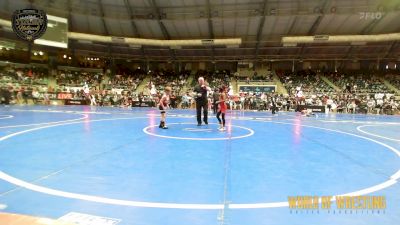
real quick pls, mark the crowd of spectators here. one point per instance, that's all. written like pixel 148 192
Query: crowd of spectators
pixel 78 78
pixel 214 79
pixel 356 103
pixel 255 77
pixel 100 89
pixel 359 92
pixel 394 79
pixel 14 74
pixel 342 103
pixel 309 81
pixel 358 82
pixel 20 82
pixel 128 81
pixel 122 90
pixel 159 79
pixel 123 82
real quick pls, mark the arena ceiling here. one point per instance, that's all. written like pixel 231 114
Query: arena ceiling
pixel 260 23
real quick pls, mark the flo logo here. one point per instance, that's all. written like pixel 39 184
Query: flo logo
pixel 29 24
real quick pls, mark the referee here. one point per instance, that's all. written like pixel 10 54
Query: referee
pixel 200 93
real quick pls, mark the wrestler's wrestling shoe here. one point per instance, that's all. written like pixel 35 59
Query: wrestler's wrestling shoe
pixel 163 126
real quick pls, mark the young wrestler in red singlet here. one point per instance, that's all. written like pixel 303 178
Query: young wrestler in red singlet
pixel 222 107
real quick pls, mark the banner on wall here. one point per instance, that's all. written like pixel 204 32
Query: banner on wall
pixel 64 96
pixel 257 88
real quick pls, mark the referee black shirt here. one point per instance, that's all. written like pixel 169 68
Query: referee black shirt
pixel 203 92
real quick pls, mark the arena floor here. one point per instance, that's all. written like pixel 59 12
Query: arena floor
pixel 116 164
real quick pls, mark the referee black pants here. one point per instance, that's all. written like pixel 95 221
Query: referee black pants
pixel 199 107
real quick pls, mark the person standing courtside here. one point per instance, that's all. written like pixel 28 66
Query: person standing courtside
pixel 215 100
pixel 273 104
pixel 200 93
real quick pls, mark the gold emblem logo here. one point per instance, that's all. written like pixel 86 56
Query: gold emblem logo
pixel 29 24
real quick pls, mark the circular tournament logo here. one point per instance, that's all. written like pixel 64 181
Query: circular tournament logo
pixel 29 24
